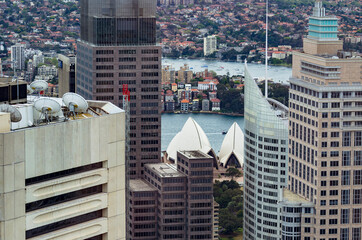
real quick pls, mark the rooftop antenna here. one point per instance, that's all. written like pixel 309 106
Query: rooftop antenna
pixel 46 106
pixel 266 49
pixel 39 85
pixel 75 103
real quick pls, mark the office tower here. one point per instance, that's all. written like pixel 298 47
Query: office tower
pixel 325 130
pixel 18 56
pixel 117 47
pixel 265 162
pixel 66 74
pixel 175 201
pixel 209 45
pixel 62 178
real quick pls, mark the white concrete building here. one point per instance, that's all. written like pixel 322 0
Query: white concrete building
pixel 210 45
pixel 64 179
pixel 18 56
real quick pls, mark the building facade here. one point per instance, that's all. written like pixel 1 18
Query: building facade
pixel 117 47
pixel 66 72
pixel 18 56
pixel 175 201
pixel 210 45
pixel 265 162
pixel 325 131
pixel 63 179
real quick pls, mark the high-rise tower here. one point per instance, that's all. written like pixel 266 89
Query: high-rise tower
pixel 117 47
pixel 265 163
pixel 325 132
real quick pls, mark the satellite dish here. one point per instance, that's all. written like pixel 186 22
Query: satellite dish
pixel 75 102
pixel 15 115
pixel 47 105
pixel 39 85
pixel 29 89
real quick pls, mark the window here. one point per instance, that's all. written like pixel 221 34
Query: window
pixel 358 138
pixel 346 177
pixel 357 177
pixel 344 233
pixel 357 196
pixel 346 139
pixel 345 197
pixel 128 51
pixel 346 158
pixel 335 114
pixel 356 215
pixel 324 115
pixel 356 233
pixel 334 134
pixel 324 125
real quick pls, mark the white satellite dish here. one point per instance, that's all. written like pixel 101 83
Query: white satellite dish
pixel 15 115
pixel 75 102
pixel 47 106
pixel 39 85
pixel 29 89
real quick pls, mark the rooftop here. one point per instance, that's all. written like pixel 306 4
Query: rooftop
pixel 194 154
pixel 164 170
pixel 292 198
pixel 41 111
pixel 139 185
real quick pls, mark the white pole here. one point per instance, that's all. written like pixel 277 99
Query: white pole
pixel 266 51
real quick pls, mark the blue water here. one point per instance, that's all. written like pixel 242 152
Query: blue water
pixel 276 73
pixel 212 124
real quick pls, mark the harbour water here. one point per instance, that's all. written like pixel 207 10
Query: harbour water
pixel 276 73
pixel 214 124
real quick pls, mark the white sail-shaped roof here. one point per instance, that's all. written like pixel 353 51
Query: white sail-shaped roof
pixel 233 144
pixel 191 137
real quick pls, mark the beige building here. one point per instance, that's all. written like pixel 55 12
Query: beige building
pixel 325 134
pixel 67 74
pixel 64 177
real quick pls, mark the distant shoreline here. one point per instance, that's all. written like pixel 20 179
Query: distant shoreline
pixel 205 112
pixel 215 59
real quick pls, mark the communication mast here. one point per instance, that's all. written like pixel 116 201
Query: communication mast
pixel 125 100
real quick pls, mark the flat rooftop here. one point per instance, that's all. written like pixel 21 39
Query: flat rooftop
pixel 194 154
pixel 139 185
pixel 164 170
pixel 32 117
pixel 289 196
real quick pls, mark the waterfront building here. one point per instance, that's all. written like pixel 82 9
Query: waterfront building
pixel 18 56
pixel 325 130
pixel 205 105
pixel 232 148
pixel 66 71
pixel 185 105
pixel 195 105
pixel 210 45
pixel 47 70
pixel 117 46
pixel 62 177
pixel 215 104
pixel 265 162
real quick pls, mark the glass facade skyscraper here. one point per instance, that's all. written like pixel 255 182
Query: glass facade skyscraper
pixel 265 162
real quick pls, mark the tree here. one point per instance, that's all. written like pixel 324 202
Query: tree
pixel 233 172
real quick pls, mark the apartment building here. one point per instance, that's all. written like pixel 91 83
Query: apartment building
pixel 210 45
pixel 62 177
pixel 118 47
pixel 325 132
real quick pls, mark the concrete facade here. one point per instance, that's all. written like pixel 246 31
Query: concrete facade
pixel 65 179
pixel 325 146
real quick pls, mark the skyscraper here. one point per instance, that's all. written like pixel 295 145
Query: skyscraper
pixel 62 178
pixel 325 131
pixel 265 162
pixel 117 47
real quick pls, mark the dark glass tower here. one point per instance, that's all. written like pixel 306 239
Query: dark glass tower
pixel 118 46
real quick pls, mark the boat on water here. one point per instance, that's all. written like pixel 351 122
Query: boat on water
pixel 204 66
pixel 224 132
